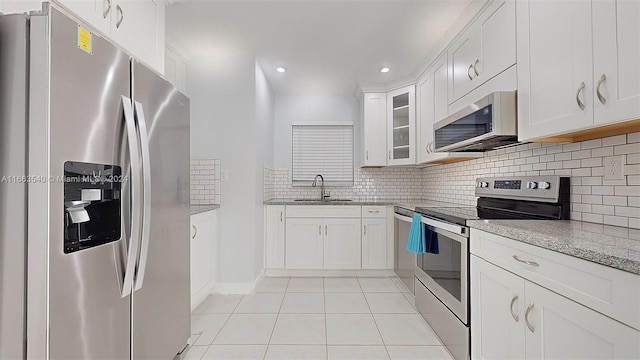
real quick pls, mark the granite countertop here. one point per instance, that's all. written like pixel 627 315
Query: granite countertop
pixel 197 209
pixel 333 202
pixel 612 246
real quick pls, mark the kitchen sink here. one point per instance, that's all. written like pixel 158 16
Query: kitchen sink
pixel 321 201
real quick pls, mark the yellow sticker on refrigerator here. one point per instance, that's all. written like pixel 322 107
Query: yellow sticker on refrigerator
pixel 84 39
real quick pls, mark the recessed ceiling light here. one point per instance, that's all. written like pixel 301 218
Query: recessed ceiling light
pixel 280 69
pixel 384 70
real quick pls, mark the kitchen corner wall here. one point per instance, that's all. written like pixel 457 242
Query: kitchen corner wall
pixel 369 184
pixel 205 182
pixel 593 199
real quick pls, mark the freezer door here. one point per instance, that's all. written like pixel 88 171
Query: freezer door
pixel 161 303
pixel 13 162
pixel 83 133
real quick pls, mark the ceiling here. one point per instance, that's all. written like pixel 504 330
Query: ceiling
pixel 327 47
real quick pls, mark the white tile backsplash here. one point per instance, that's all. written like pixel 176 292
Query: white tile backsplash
pixel 205 182
pixel 593 199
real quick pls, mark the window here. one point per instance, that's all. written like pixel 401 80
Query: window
pixel 323 149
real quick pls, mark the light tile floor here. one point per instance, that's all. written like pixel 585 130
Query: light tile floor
pixel 314 318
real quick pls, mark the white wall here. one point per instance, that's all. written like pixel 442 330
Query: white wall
pixel 297 109
pixel 19 6
pixel 264 100
pixel 223 126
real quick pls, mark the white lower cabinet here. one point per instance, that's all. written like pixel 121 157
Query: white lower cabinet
pixel 342 244
pixel 374 243
pixel 203 252
pixel 274 236
pixel 304 244
pixel 326 237
pixel 512 317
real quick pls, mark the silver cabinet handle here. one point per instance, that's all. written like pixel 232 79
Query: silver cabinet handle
pixel 365 229
pixel 195 231
pixel 475 67
pixel 106 11
pixel 526 318
pixel 600 97
pixel 367 155
pixel 532 263
pixel 319 229
pixel 280 216
pixel 389 154
pixel 468 73
pixel 374 211
pixel 120 16
pixel 513 314
pixel 326 230
pixel 580 103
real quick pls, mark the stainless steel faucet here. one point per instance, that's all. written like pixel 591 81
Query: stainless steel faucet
pixel 315 183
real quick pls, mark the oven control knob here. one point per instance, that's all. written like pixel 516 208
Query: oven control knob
pixel 544 185
pixel 532 184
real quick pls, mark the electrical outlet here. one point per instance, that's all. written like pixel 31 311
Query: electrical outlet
pixel 614 168
pixel 224 175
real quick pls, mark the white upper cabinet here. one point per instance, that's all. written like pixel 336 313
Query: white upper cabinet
pixel 554 67
pixel 577 68
pixel 374 129
pixel 95 12
pixel 484 50
pixel 616 60
pixel 139 27
pixel 401 122
pixel 431 106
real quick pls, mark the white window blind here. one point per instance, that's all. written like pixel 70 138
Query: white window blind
pixel 323 149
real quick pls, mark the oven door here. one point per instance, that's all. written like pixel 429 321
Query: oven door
pixel 405 261
pixel 446 274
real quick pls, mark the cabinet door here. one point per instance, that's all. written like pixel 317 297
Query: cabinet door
pixel 201 256
pixel 342 244
pixel 498 42
pixel 497 308
pixel 562 329
pixel 374 243
pixel 134 25
pixel 95 12
pixel 554 61
pixel 464 57
pixel 424 114
pixel 375 129
pixel 304 249
pixel 401 122
pixel 616 59
pixel 274 237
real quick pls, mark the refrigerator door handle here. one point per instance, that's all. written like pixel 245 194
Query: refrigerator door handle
pixel 136 196
pixel 146 189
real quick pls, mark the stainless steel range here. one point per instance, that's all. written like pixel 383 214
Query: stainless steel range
pixel 442 278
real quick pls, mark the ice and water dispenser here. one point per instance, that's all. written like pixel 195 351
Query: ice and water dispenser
pixel 93 205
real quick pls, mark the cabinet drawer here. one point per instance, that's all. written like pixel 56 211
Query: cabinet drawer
pixel 374 211
pixel 323 211
pixel 612 292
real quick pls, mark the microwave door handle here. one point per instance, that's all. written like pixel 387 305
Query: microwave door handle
pixel 136 196
pixel 146 195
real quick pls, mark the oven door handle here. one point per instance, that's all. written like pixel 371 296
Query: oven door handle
pixel 455 229
pixel 403 218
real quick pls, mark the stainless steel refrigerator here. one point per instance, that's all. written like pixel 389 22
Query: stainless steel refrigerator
pixel 94 197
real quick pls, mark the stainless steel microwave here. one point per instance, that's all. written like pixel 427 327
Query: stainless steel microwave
pixel 484 125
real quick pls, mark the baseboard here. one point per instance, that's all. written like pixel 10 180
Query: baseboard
pixel 306 272
pixel 237 288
